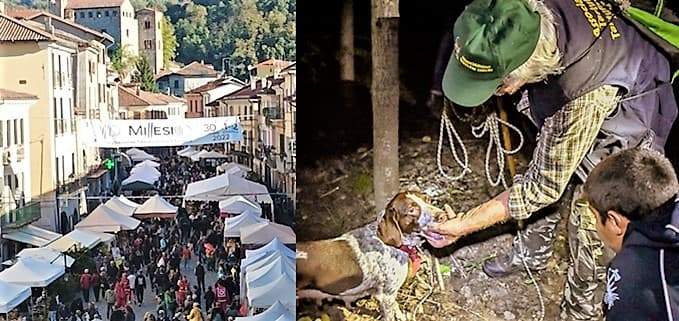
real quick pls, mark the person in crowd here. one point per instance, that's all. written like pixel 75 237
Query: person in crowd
pixel 195 314
pixel 86 284
pixel 209 297
pixel 95 285
pixel 129 314
pixel 186 256
pixel 110 298
pixel 92 310
pixel 52 308
pixel 139 287
pixel 199 272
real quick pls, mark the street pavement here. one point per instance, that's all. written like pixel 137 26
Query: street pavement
pixel 150 304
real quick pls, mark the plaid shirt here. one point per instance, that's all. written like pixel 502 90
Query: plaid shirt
pixel 564 140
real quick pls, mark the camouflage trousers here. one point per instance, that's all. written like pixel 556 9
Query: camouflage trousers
pixel 588 256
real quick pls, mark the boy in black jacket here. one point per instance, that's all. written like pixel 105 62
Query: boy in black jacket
pixel 634 194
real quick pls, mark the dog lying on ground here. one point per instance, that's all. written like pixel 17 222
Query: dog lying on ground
pixel 368 260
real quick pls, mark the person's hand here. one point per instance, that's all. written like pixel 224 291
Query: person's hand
pixel 447 230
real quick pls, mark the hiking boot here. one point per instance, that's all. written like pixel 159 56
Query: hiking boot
pixel 501 266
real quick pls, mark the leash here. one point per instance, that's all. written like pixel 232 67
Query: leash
pixel 491 126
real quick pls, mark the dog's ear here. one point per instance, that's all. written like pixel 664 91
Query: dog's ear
pixel 388 230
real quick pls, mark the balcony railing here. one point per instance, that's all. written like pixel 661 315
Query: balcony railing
pixel 273 113
pixel 19 217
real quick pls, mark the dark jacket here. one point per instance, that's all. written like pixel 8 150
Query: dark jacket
pixel 643 278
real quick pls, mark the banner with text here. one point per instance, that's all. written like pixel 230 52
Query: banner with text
pixel 160 132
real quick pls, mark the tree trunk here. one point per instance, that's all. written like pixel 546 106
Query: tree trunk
pixel 347 42
pixel 385 99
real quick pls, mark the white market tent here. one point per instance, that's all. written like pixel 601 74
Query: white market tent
pixel 234 169
pixel 156 206
pixel 128 201
pixel 104 219
pixel 145 169
pixel 262 233
pixel 139 155
pixel 266 260
pixel 223 186
pixel 207 155
pixel 239 204
pixel 77 238
pixel 11 295
pixel 272 247
pixel 46 254
pixel 270 272
pixel 143 177
pixel 31 234
pixel 233 225
pixel 120 206
pixel 33 273
pixel 186 151
pixel 282 289
pixel 275 312
pixel 149 162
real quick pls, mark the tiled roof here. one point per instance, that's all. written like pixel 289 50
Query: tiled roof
pixel 293 66
pixel 130 97
pixel 42 15
pixel 86 4
pixel 269 62
pixel 247 92
pixel 20 12
pixel 193 69
pixel 15 30
pixel 14 95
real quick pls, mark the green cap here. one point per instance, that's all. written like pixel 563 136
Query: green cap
pixel 493 37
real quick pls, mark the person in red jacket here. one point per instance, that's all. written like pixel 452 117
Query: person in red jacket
pixel 85 285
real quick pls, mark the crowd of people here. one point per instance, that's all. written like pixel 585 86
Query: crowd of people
pixel 155 258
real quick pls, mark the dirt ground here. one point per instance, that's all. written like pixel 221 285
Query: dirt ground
pixel 336 196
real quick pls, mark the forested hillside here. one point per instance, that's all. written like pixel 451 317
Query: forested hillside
pixel 241 32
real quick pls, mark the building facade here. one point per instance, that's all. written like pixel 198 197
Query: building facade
pixel 113 17
pixel 200 100
pixel 151 37
pixel 138 104
pixel 189 77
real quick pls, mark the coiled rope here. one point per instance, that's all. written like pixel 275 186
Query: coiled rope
pixel 491 126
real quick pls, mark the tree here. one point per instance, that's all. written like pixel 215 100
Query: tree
pixel 122 61
pixel 144 75
pixel 385 99
pixel 169 42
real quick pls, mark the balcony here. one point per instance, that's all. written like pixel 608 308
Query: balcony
pixel 272 113
pixel 21 216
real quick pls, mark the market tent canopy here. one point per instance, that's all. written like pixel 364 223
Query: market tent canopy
pixel 274 312
pixel 233 225
pixel 223 186
pixel 138 155
pixel 77 238
pixel 239 204
pixel 31 234
pixel 186 151
pixel 262 233
pixel 270 272
pixel 146 170
pixel 120 206
pixel 234 169
pixel 11 295
pixel 156 206
pixel 46 254
pixel 207 155
pixel 274 246
pixel 104 219
pixel 33 273
pixel 128 201
pixel 150 163
pixel 282 289
pixel 266 260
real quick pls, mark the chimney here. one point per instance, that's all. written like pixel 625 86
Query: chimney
pixel 48 25
pixel 2 7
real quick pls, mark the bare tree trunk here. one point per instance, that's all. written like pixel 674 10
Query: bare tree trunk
pixel 347 42
pixel 385 99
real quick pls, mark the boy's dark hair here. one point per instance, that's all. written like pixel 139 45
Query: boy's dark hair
pixel 633 182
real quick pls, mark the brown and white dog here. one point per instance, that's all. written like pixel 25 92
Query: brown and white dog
pixel 368 260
